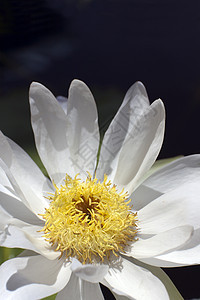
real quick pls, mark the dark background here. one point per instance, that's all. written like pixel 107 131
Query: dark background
pixel 109 44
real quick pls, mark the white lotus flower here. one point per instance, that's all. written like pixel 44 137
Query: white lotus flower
pixel 81 230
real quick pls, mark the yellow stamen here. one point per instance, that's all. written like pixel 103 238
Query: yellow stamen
pixel 89 220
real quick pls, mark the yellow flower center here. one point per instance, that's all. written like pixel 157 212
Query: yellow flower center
pixel 89 220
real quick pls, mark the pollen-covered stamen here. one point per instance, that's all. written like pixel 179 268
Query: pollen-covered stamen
pixel 89 220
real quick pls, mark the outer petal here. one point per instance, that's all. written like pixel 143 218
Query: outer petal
pixel 162 276
pixel 135 282
pixel 161 243
pixel 14 237
pixel 133 106
pixel 28 172
pixel 140 148
pixel 23 175
pixel 160 163
pixel 32 277
pixel 140 151
pixel 179 172
pixel 19 227
pixel 4 179
pixel 27 196
pixel 50 129
pixel 22 235
pixel 78 289
pixel 14 208
pixel 154 261
pixel 83 133
pixel 66 143
pixel 63 102
pixel 142 196
pixel 176 208
pixel 120 297
pixel 89 272
pixel 186 255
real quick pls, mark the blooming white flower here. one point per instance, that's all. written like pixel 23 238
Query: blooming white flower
pixel 82 230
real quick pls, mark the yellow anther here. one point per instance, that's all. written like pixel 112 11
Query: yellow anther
pixel 89 220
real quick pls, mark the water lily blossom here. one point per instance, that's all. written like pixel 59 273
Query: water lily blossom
pixel 109 220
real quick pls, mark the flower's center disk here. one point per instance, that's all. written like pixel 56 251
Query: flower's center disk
pixel 89 220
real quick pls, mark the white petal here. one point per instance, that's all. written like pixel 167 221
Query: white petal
pixel 24 175
pixel 176 208
pixel 13 220
pixel 4 179
pixel 25 236
pixel 22 167
pixel 13 185
pixel 142 196
pixel 83 127
pixel 154 261
pixel 32 277
pixel 91 291
pixel 133 106
pixel 181 171
pixel 66 143
pixel 159 273
pixel 14 237
pixel 161 243
pixel 78 289
pixel 189 254
pixel 50 129
pixel 4 217
pixel 35 236
pixel 160 163
pixel 135 282
pixel 140 150
pixel 71 291
pixel 63 102
pixel 26 253
pixel 35 203
pixel 21 228
pixel 89 272
pixel 119 297
pixel 27 171
pixel 14 208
